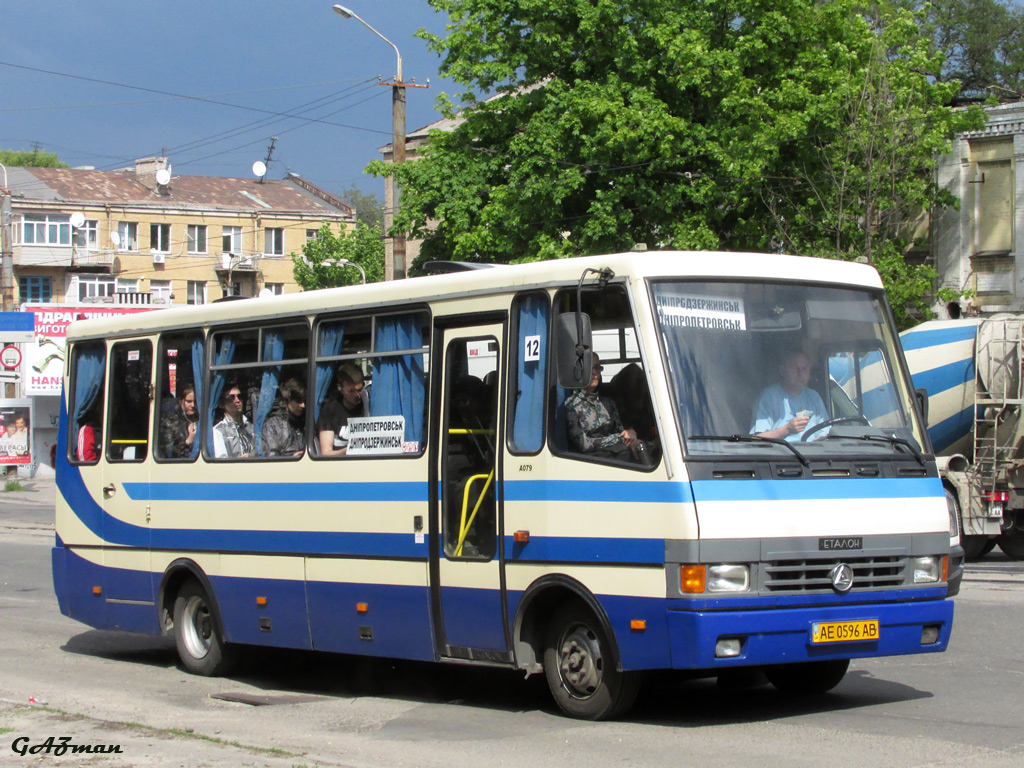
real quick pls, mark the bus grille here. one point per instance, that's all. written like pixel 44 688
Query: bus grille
pixel 813 575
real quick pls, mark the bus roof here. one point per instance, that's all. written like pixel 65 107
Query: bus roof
pixel 709 265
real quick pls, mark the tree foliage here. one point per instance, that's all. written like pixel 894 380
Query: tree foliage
pixel 30 158
pixel 369 209
pixel 982 44
pixel 716 125
pixel 362 245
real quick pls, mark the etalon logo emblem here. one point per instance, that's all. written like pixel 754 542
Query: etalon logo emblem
pixel 842 578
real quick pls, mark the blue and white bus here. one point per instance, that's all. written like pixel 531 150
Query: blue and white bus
pixel 464 519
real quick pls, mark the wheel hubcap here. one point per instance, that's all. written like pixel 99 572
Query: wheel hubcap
pixel 198 627
pixel 579 662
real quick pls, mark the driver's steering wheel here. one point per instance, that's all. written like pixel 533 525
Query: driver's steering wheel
pixel 832 422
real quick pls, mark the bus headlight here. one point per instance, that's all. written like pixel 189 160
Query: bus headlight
pixel 927 569
pixel 728 578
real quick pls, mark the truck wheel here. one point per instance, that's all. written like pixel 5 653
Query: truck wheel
pixel 200 647
pixel 1011 541
pixel 581 668
pixel 975 547
pixel 808 677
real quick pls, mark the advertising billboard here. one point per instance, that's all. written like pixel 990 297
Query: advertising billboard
pixel 15 432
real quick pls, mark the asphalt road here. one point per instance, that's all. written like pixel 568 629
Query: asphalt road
pixel 59 678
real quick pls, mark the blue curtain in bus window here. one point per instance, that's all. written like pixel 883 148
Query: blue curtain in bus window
pixel 331 335
pixel 225 354
pixel 88 382
pixel 531 370
pixel 273 350
pixel 198 366
pixel 398 381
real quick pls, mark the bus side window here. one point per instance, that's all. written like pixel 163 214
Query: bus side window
pixel 131 370
pixel 179 395
pixel 526 433
pixel 85 414
pixel 398 384
pixel 279 418
pixel 341 388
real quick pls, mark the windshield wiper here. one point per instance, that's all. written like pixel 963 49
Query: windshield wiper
pixel 756 439
pixel 890 439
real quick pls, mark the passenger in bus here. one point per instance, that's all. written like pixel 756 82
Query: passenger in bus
pixel 178 430
pixel 594 426
pixel 232 435
pixel 788 409
pixel 284 431
pixel 88 438
pixel 351 402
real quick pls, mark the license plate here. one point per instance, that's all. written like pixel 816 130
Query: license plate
pixel 995 509
pixel 844 631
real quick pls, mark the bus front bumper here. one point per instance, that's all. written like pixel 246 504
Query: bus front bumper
pixel 785 635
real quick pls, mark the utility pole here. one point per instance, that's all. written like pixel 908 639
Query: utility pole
pixel 6 246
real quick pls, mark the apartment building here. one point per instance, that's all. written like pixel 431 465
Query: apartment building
pixel 145 235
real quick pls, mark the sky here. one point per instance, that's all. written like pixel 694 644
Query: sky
pixel 207 82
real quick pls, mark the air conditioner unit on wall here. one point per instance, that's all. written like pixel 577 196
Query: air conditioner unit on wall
pixel 159 258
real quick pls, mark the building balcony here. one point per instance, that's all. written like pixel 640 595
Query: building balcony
pixel 93 260
pixel 42 256
pixel 239 263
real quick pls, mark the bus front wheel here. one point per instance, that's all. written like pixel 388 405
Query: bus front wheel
pixel 200 647
pixel 581 668
pixel 807 677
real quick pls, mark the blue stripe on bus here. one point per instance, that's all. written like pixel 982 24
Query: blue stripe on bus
pixel 597 490
pixel 396 491
pixel 816 490
pixel 564 549
pixel 947 335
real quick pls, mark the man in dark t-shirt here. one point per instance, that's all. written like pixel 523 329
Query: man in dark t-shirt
pixel 332 425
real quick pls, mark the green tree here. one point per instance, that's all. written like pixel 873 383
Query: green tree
pixel 362 245
pixel 33 158
pixel 866 185
pixel 679 125
pixel 369 209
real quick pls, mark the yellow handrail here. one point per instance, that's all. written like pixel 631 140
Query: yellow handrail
pixel 128 442
pixel 464 524
pixel 470 431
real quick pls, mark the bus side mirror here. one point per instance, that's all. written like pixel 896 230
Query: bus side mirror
pixel 921 397
pixel 574 352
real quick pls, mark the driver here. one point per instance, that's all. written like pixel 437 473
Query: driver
pixel 788 409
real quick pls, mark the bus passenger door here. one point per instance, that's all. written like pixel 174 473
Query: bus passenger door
pixel 466 554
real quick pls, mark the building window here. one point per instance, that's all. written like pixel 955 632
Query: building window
pixel 127 236
pixel 274 244
pixel 45 229
pixel 160 237
pixel 196 292
pixel 93 286
pixel 275 288
pixel 126 285
pixel 160 291
pixel 87 235
pixel 232 237
pixel 992 184
pixel 196 238
pixel 311 234
pixel 35 288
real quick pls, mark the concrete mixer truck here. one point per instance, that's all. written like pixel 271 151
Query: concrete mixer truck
pixel 971 370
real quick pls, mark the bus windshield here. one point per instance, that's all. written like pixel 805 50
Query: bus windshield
pixel 773 369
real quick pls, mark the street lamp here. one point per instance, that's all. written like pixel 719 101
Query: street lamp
pixel 347 263
pixel 395 268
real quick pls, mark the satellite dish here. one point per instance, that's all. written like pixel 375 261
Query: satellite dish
pixel 163 177
pixel 115 238
pixel 77 219
pixel 265 293
pixel 259 169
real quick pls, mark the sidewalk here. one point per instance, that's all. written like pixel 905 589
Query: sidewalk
pixel 37 490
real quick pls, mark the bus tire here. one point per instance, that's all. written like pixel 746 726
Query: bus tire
pixel 581 668
pixel 807 677
pixel 200 647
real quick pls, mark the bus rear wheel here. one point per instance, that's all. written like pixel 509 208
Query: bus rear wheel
pixel 581 668
pixel 200 647
pixel 808 677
